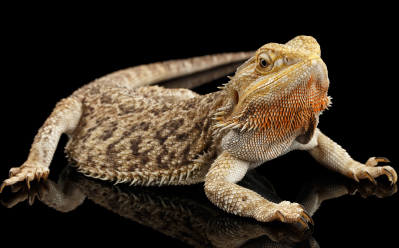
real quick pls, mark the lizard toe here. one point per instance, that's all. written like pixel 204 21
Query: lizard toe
pixel 25 173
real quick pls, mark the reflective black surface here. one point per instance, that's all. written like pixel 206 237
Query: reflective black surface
pixel 187 218
pixel 45 64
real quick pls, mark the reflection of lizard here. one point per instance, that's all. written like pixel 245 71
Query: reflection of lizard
pixel 156 136
pixel 185 213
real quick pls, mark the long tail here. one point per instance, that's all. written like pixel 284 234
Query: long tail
pixel 143 75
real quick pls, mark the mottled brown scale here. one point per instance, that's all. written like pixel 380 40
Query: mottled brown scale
pixel 166 125
pixel 122 130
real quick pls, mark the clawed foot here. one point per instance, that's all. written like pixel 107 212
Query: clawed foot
pixel 285 212
pixel 38 190
pixel 367 189
pixel 370 172
pixel 25 173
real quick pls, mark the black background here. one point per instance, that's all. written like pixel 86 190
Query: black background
pixel 47 54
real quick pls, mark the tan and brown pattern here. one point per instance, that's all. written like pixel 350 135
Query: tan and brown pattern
pixel 115 139
pixel 123 130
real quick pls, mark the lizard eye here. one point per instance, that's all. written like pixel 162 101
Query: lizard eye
pixel 263 63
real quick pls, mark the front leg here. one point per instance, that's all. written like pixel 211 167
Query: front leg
pixel 221 189
pixel 64 119
pixel 335 158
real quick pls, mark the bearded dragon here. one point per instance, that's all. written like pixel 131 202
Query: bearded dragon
pixel 121 129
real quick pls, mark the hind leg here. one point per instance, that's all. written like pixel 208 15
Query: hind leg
pixel 64 119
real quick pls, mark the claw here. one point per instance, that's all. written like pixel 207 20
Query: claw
pixel 370 177
pixel 354 177
pixel 304 224
pixel 353 190
pixel 11 172
pixel 27 182
pixel 2 186
pixel 280 216
pixel 38 175
pixel 372 191
pixel 382 159
pixel 395 189
pixel 31 200
pixel 390 177
pixel 367 189
pixel 45 176
pixel 307 216
pixel 373 161
pixel 310 232
pixel 39 196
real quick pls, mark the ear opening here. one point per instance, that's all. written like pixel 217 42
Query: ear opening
pixel 236 97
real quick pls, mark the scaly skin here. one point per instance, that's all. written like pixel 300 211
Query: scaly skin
pixel 155 136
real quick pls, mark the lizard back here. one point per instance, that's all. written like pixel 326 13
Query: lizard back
pixel 132 135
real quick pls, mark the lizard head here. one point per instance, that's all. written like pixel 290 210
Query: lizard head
pixel 282 88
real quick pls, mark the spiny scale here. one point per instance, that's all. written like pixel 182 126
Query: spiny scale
pixel 140 178
pixel 125 131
